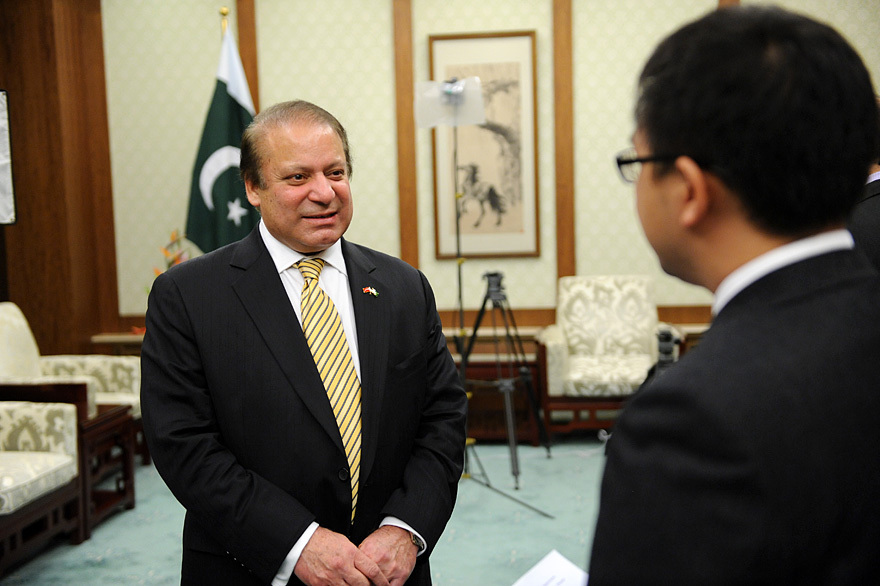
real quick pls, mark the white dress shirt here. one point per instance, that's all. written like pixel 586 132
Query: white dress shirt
pixel 333 280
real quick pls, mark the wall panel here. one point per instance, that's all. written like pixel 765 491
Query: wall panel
pixel 51 63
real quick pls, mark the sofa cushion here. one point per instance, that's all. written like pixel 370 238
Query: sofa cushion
pixel 610 375
pixel 25 476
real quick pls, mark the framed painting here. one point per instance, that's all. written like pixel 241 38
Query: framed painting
pixel 495 165
pixel 7 197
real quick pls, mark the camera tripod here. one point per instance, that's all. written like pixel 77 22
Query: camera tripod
pixel 507 374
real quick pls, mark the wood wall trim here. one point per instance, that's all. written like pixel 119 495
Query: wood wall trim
pixel 685 314
pixel 407 186
pixel 93 268
pixel 563 93
pixel 247 46
pixel 534 317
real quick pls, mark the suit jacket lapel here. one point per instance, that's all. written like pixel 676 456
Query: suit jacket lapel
pixel 261 292
pixel 372 318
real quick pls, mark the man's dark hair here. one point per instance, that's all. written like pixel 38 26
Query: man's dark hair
pixel 778 106
pixel 252 155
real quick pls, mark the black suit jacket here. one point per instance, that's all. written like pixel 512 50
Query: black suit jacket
pixel 240 427
pixel 864 223
pixel 756 458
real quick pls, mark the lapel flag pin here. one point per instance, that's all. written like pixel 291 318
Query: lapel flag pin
pixel 371 291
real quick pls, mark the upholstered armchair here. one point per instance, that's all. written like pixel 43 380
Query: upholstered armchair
pixel 112 380
pixel 604 342
pixel 115 380
pixel 40 495
pixel 106 430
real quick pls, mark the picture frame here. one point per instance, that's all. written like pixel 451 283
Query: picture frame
pixel 497 175
pixel 7 194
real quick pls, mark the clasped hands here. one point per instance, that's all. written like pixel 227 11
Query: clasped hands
pixel 385 558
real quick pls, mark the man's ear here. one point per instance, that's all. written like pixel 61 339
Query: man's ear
pixel 697 196
pixel 252 194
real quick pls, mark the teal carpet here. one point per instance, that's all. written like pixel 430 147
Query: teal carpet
pixel 491 539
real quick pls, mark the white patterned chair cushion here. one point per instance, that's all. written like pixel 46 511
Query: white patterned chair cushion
pixel 605 338
pixel 38 450
pixel 111 380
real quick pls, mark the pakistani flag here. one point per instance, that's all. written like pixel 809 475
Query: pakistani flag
pixel 219 212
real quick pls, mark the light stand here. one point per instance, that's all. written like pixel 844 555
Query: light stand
pixel 457 103
pixel 454 103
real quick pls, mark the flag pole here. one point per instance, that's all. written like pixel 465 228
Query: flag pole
pixel 224 20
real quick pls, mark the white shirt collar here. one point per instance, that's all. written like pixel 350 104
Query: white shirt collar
pixel 777 258
pixel 285 257
pixel 874 177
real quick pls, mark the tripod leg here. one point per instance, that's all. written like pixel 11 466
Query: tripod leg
pixel 506 387
pixel 518 350
pixel 526 376
pixel 471 450
pixel 470 345
pixel 464 351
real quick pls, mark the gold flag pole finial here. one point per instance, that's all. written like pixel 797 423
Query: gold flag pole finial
pixel 224 12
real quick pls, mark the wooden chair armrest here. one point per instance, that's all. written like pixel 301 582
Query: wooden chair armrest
pixel 76 393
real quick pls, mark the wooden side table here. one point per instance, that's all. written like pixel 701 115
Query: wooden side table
pixel 120 343
pixel 105 443
pixel 107 458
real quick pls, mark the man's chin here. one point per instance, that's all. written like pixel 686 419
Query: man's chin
pixel 323 240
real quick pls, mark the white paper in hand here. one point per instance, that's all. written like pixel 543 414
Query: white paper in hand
pixel 553 570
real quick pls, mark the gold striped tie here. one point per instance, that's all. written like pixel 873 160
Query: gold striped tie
pixel 326 338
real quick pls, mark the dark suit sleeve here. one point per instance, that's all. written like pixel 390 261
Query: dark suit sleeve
pixel 252 518
pixel 681 502
pixel 428 489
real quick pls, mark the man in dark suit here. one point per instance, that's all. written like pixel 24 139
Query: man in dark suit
pixel 864 223
pixel 755 459
pixel 236 413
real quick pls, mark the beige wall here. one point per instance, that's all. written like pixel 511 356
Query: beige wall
pixel 161 57
pixel 612 41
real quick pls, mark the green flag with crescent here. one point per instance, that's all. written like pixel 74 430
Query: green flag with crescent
pixel 219 212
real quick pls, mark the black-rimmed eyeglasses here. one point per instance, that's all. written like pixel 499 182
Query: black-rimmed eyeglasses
pixel 629 164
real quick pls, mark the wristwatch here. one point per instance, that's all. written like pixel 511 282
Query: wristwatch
pixel 417 541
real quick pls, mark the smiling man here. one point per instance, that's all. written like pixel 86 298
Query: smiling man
pixel 755 459
pixel 298 396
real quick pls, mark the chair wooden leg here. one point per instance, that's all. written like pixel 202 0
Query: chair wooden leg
pixel 140 439
pixel 592 405
pixel 26 531
pixel 107 451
